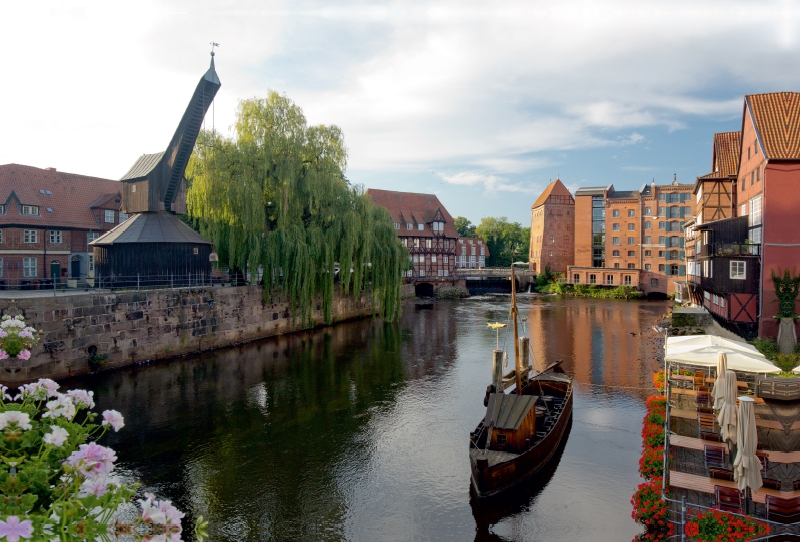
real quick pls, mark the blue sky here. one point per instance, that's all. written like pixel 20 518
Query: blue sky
pixel 481 103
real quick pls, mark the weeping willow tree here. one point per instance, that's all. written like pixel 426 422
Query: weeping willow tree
pixel 275 197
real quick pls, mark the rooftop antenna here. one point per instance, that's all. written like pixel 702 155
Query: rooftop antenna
pixel 213 44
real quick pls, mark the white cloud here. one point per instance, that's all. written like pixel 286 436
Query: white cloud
pixel 490 183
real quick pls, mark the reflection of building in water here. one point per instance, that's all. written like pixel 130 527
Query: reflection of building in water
pixel 599 343
pixel 434 344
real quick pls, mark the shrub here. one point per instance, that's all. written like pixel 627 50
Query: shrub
pixel 451 292
pixel 716 525
pixel 651 464
pixel 768 347
pixel 650 510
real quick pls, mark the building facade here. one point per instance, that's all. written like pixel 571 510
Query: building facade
pixel 552 240
pixel 734 257
pixel 632 238
pixel 425 227
pixel 471 253
pixel 47 219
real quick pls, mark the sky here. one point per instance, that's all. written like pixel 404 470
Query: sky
pixel 481 103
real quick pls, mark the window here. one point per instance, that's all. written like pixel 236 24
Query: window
pixel 566 241
pixel 631 213
pixel 662 225
pixel 673 269
pixel 615 253
pixel 416 242
pixel 550 252
pixel 715 299
pixel 648 225
pixel 654 282
pixel 30 236
pixel 648 240
pixel 576 278
pixel 427 243
pixel 421 227
pixel 616 240
pixel 422 272
pixel 648 211
pixel 662 197
pixel 631 254
pixel 660 253
pixel 758 174
pixel 124 216
pixel 446 272
pixel 29 267
pixel 91 236
pixel 627 280
pixel 445 259
pixel 722 302
pixel 55 237
pixel 615 227
pixel 631 241
pixel 755 212
pixel 662 211
pixel 409 226
pixel 397 225
pixel 552 238
pixel 1 236
pixel 647 267
pixel 631 266
pixel 30 210
pixel 661 268
pixel 109 215
pixel 662 240
pixel 592 279
pixel 615 214
pixel 433 258
pixel 631 226
pixel 422 258
pixel 501 440
pixel 610 280
pixel 706 295
pixel 648 253
pixel 616 266
pixel 738 270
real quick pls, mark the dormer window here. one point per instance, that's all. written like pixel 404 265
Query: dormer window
pixel 2 209
pixel 421 226
pixel 409 226
pixel 32 210
pixel 109 216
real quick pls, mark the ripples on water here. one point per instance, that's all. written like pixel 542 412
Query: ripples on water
pixel 360 431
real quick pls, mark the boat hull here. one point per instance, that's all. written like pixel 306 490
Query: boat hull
pixel 505 475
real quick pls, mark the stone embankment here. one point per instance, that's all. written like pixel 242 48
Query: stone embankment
pixel 131 327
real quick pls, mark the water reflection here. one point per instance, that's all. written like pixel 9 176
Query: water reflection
pixel 359 431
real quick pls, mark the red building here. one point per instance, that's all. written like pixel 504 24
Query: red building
pixel 46 220
pixel 426 228
pixel 552 240
pixel 471 253
pixel 735 256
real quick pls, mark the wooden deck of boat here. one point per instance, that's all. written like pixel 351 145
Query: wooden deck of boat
pixel 704 484
pixel 699 444
pixel 495 456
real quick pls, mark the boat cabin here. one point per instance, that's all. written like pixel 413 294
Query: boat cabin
pixel 513 421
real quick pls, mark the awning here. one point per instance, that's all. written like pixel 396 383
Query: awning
pixel 738 360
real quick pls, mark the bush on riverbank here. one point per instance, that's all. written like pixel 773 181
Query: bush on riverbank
pixel 592 290
pixel 786 362
pixel 451 292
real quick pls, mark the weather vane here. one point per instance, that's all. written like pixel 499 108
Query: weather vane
pixel 213 44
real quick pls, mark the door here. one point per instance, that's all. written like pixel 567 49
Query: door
pixel 55 271
pixel 75 268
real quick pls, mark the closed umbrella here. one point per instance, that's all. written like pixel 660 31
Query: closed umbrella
pixel 727 410
pixel 747 467
pixel 719 381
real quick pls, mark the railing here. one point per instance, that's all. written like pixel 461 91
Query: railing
pixel 135 282
pixel 733 249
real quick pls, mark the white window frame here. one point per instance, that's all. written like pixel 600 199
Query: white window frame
pixel 122 217
pixel 30 267
pixel 421 227
pixel 109 218
pixel 738 270
pixel 30 237
pixel 30 210
pixel 56 237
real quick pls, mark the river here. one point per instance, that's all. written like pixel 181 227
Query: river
pixel 359 431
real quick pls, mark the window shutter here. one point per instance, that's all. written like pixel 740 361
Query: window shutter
pixel 666 269
pixel 683 209
pixel 681 242
pixel 681 269
pixel 682 255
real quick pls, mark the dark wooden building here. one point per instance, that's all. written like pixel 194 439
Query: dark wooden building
pixel 154 247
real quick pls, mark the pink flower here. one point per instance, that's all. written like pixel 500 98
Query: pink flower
pixel 82 398
pixel 25 354
pixel 113 418
pixel 3 354
pixel 98 486
pixel 92 460
pixel 22 419
pixel 151 512
pixel 13 529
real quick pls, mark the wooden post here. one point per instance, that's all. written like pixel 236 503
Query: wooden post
pixel 524 347
pixel 517 364
pixel 497 370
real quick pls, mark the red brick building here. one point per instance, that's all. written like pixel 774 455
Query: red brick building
pixel 46 220
pixel 757 234
pixel 552 230
pixel 426 228
pixel 471 253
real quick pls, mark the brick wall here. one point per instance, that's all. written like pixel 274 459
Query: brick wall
pixel 583 231
pixel 135 326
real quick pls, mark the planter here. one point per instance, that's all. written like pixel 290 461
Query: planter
pixel 787 337
pixel 782 389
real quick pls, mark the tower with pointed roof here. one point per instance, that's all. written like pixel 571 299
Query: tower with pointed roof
pixel 552 230
pixel 154 242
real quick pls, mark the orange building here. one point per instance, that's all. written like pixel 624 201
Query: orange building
pixel 552 230
pixel 632 237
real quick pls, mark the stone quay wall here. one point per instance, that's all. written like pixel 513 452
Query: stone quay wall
pixel 132 327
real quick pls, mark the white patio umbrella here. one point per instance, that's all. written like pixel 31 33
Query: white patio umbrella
pixel 727 411
pixel 708 356
pixel 717 392
pixel 746 466
pixel 699 341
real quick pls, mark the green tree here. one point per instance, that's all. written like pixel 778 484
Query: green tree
pixel 507 241
pixel 464 227
pixel 275 197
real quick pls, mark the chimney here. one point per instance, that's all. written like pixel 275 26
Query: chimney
pixel 50 169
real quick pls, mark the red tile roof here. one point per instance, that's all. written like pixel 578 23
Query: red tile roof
pixel 777 120
pixel 726 153
pixel 556 188
pixel 69 195
pixel 413 208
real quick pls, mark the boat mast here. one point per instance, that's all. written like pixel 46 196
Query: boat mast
pixel 517 362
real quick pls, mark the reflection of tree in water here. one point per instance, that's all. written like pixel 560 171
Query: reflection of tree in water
pixel 258 439
pixel 516 501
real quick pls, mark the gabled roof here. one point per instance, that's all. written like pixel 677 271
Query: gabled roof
pixel 68 195
pixel 410 206
pixel 143 165
pixel 726 154
pixel 556 188
pixel 154 227
pixel 777 121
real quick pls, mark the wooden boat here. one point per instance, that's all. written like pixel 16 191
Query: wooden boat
pixel 523 429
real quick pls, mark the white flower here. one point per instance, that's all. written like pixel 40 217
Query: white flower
pixel 4 393
pixel 82 398
pixel 14 416
pixel 151 512
pixel 58 436
pixel 97 486
pixel 60 406
pixel 113 418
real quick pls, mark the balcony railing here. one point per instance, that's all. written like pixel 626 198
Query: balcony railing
pixel 734 249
